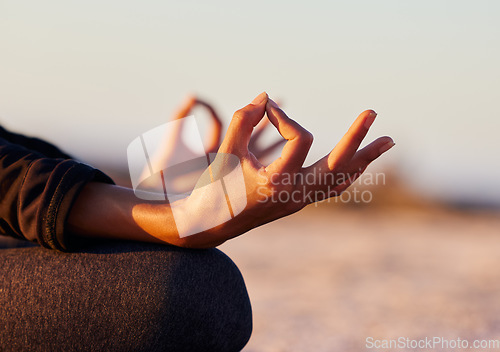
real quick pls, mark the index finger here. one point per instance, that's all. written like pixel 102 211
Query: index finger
pixel 299 141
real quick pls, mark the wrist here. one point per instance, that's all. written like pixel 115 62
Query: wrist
pixel 197 223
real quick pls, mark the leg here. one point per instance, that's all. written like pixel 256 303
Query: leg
pixel 122 297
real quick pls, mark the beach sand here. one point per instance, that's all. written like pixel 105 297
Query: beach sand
pixel 326 279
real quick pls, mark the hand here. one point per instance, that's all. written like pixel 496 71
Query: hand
pixel 108 211
pixel 172 143
pixel 285 186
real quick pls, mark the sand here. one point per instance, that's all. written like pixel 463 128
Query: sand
pixel 327 279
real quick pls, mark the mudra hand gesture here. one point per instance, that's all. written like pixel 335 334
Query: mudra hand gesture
pixel 115 212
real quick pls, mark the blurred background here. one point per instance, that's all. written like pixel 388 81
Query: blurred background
pixel 418 259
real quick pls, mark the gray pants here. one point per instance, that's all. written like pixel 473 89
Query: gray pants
pixel 122 296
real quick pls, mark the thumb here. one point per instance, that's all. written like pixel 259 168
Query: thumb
pixel 242 124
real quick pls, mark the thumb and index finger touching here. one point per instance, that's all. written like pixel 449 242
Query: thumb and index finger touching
pixel 238 135
pixel 299 140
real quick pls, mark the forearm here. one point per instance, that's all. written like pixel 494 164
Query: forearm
pixel 108 211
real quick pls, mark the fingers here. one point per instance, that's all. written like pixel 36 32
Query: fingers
pixel 360 162
pixel 212 140
pixel 241 126
pixel 345 164
pixel 185 107
pixel 299 141
pixel 257 132
pixel 174 133
pixel 349 144
pixel 344 150
pixel 365 156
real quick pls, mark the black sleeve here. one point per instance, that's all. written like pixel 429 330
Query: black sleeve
pixel 37 192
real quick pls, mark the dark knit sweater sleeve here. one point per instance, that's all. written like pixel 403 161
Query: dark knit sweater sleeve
pixel 37 192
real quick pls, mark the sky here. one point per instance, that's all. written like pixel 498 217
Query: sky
pixel 91 76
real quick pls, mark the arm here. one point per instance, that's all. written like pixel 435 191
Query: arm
pixel 109 211
pixel 37 193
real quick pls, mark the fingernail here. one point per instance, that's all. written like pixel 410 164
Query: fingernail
pixel 259 98
pixel 273 103
pixel 369 120
pixel 386 147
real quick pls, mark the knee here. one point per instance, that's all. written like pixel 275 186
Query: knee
pixel 206 298
pixel 183 300
pixel 127 297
